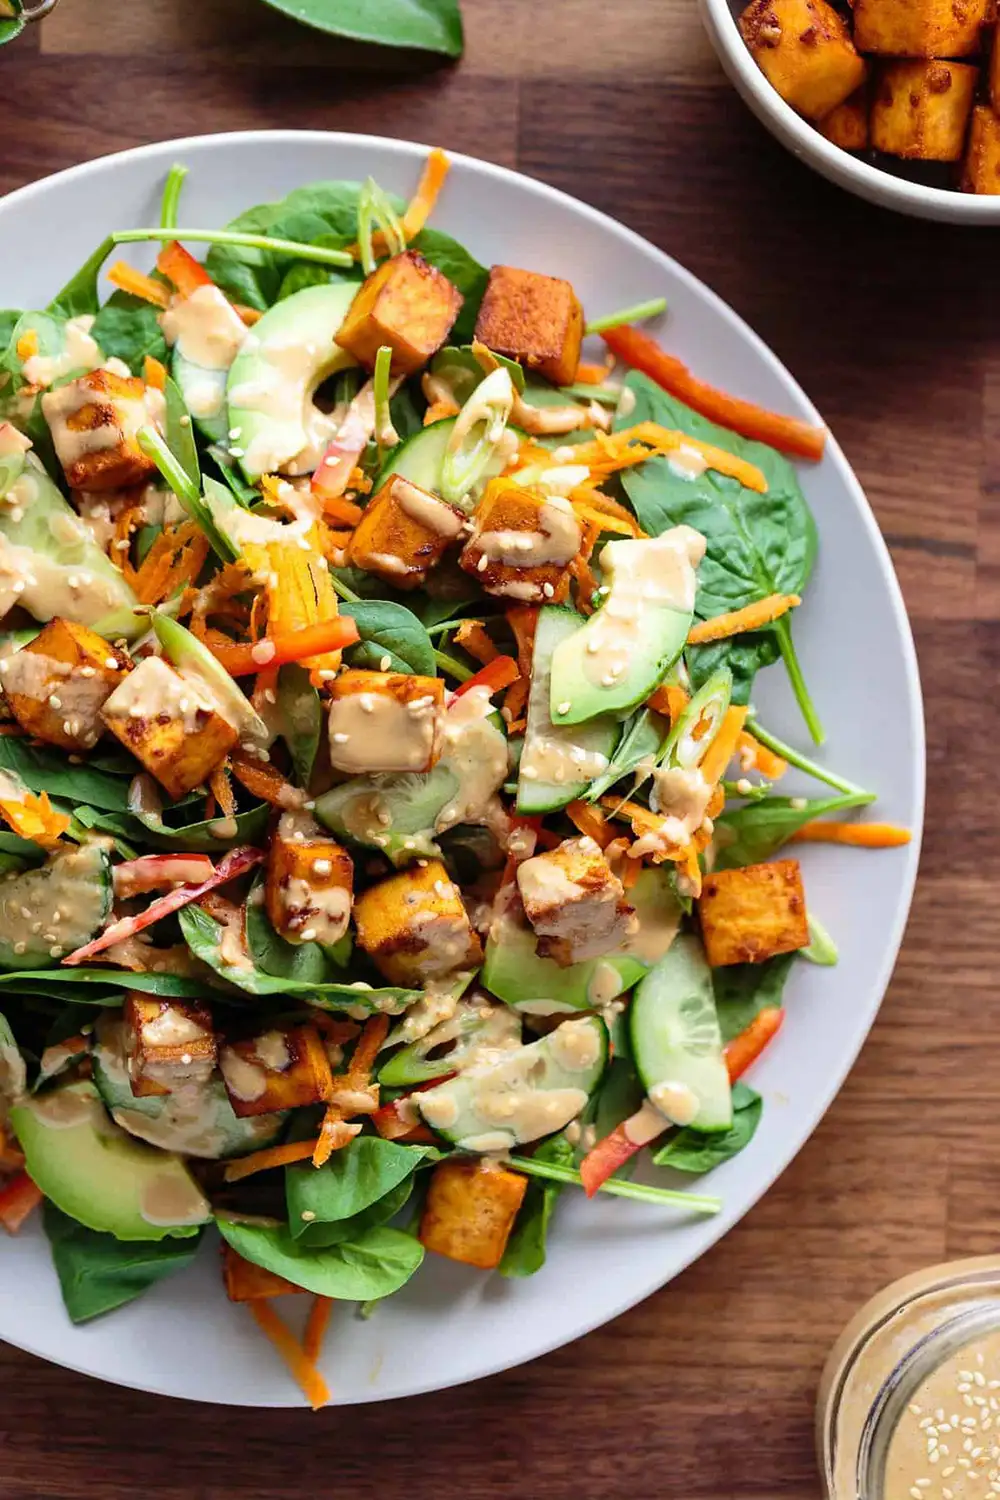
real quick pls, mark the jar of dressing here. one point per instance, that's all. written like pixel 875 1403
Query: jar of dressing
pixel 909 1400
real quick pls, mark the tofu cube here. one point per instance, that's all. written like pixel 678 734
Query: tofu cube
pixel 166 1043
pixel 246 1282
pixel 403 533
pixel 470 1211
pixel 919 28
pixel 57 685
pixel 169 724
pixel 414 926
pixel 385 721
pixel 754 913
pixel 804 50
pixel 982 159
pixel 310 879
pixel 522 544
pixel 94 422
pixel 921 109
pixel 574 901
pixel 283 1068
pixel 406 304
pixel 847 125
pixel 533 318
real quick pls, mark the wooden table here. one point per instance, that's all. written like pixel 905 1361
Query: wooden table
pixel 705 1390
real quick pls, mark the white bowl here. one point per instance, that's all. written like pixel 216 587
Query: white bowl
pixel 451 1323
pixel 806 142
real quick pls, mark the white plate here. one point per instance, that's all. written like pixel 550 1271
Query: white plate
pixel 451 1323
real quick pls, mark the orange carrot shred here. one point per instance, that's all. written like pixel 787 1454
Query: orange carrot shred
pixel 439 411
pixel 587 374
pixel 334 1134
pixel 319 1320
pixel 27 345
pixel 590 821
pixel 127 279
pixel 341 511
pixel 722 749
pixel 369 1044
pixel 751 617
pixel 472 637
pixel 222 790
pixel 860 835
pixel 153 373
pixel 271 1156
pixel 247 315
pixel 305 1373
pixel 262 779
pixel 757 757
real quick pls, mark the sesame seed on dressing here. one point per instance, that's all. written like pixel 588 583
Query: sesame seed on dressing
pixel 951 1450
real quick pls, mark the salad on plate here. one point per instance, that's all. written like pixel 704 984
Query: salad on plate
pixel 387 827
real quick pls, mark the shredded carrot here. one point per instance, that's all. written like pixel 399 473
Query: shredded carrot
pixel 670 699
pixel 175 559
pixel 326 637
pixel 246 1282
pixel 272 1156
pixel 334 1134
pixel 604 521
pixel 608 453
pixel 262 779
pixel 722 749
pixel 514 703
pixel 690 866
pixel 247 315
pixel 757 757
pixel 586 583
pixel 495 676
pixel 369 1045
pixel 34 817
pixel 523 621
pixel 153 373
pixel 630 873
pixel 334 1030
pixel 860 835
pixel 305 1373
pixel 222 790
pixel 472 637
pixel 590 821
pixel 593 374
pixel 127 279
pixel 18 1200
pixel 27 344
pixel 300 594
pixel 751 617
pixel 716 802
pixel 419 208
pixel 439 411
pixel 359 481
pixel 319 1320
pixel 341 511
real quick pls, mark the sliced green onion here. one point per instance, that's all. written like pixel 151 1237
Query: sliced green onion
pixel 452 667
pixel 783 635
pixel 803 763
pixel 651 309
pixel 699 1203
pixel 822 949
pixel 684 747
pixel 340 587
pixel 173 471
pixel 321 253
pixel 478 429
pixel 376 212
pixel 604 395
pixel 386 435
pixel 757 793
pixel 172 196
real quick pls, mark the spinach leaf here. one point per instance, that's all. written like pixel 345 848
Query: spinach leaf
pixel 744 655
pixel 80 295
pixel 743 990
pixel 72 984
pixel 406 408
pixel 300 717
pixel 374 1265
pixel 525 1250
pixel 750 834
pixel 642 736
pixel 12 21
pixel 431 25
pixel 318 1236
pixel 308 963
pixel 47 770
pixel 9 319
pixel 98 1273
pixel 354 1178
pixel 392 630
pixel 699 1151
pixel 128 328
pixel 619 1095
pixel 457 365
pixel 194 838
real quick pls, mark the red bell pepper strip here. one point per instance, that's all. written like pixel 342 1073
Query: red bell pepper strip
pixel 789 434
pixel 157 872
pixel 237 862
pixel 18 1199
pixel 747 1047
pixel 497 674
pixel 296 645
pixel 180 267
pixel 346 447
pixel 604 1159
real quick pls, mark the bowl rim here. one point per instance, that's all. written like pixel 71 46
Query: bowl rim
pixel 802 138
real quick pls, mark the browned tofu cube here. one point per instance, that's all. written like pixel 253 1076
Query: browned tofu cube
pixel 982 158
pixel 993 79
pixel 522 544
pixel 847 125
pixel 385 721
pixel 169 724
pixel 283 1068
pixel 94 422
pixel 246 1282
pixel 414 926
pixel 919 28
pixel 804 49
pixel 470 1211
pixel 310 878
pixel 166 1043
pixel 58 683
pixel 921 109
pixel 403 533
pixel 533 318
pixel 406 304
pixel 754 913
pixel 574 901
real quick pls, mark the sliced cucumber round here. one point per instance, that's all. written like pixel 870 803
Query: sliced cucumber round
pixel 395 813
pixel 50 911
pixel 421 459
pixel 676 1040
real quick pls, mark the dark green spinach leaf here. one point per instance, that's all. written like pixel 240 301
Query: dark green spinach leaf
pixel 48 770
pixel 98 1273
pixel 750 834
pixel 375 1265
pixel 80 295
pixel 525 1250
pixel 430 25
pixel 393 631
pixel 743 990
pixel 699 1151
pixel 355 1178
pixel 308 963
pixel 128 328
pixel 300 716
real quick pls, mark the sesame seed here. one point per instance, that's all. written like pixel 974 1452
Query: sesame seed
pixel 340 738
pixel 309 936
pixel 237 452
pixel 111 662
pixel 308 1215
pixel 56 951
pixel 564 707
pixel 88 671
pixel 548 590
pixel 234 433
pixel 482 564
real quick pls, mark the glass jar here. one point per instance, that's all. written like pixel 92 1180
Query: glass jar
pixel 909 1399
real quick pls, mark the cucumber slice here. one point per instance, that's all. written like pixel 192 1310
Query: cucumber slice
pixel 77 885
pixel 186 653
pixel 394 813
pixel 676 1040
pixel 204 393
pixel 476 1024
pixel 533 1092
pixel 421 458
pixel 558 762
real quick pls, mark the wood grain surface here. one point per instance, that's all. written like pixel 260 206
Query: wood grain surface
pixel 705 1390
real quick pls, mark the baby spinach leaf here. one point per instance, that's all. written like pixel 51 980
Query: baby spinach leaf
pixel 392 630
pixel 73 984
pixel 750 834
pixel 300 717
pixel 354 1178
pixel 192 838
pixel 80 295
pixel 47 770
pixel 698 1151
pixel 743 990
pixel 128 328
pixel 309 963
pixel 431 25
pixel 9 318
pixel 98 1273
pixel 374 1265
pixel 525 1250
pixel 744 655
pixel 317 1236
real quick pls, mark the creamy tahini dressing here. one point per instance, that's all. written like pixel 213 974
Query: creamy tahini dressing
pixel 151 689
pixel 556 540
pixel 682 798
pixel 127 413
pixel 296 433
pixel 475 751
pixel 173 1198
pixel 245 1079
pixel 75 698
pixel 687 462
pixel 205 327
pixel 426 510
pixel 376 732
pixel 79 354
pixel 552 760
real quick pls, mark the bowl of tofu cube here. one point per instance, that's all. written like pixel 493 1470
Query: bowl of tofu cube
pixel 897 101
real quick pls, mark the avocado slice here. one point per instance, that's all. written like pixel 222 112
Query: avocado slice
pixel 100 1176
pixel 286 357
pixel 514 971
pixel 76 884
pixel 623 652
